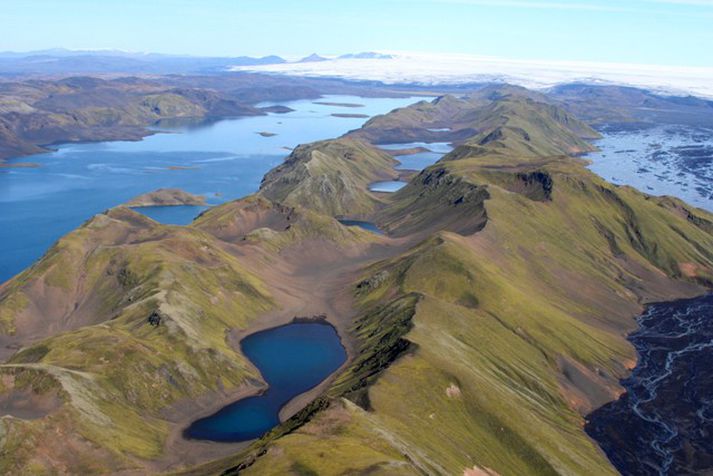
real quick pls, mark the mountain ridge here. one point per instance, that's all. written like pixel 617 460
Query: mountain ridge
pixel 481 329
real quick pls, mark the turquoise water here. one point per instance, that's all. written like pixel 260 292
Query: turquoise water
pixel 222 160
pixel 292 359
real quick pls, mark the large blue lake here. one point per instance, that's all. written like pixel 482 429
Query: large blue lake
pixel 223 160
pixel 292 359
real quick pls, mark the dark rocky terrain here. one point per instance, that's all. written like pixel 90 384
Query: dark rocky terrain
pixel 663 424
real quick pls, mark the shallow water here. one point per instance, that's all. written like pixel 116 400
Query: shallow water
pixel 663 424
pixel 222 160
pixel 664 160
pixel 292 359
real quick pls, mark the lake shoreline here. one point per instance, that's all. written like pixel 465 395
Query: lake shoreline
pixel 298 401
pixel 201 450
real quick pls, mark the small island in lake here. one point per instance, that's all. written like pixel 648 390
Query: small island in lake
pixel 338 104
pixel 165 197
pixel 277 109
pixel 266 134
pixel 20 165
pixel 350 116
pixel 181 167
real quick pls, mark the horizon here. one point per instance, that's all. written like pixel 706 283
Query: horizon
pixel 644 32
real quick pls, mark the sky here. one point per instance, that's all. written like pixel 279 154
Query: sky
pixel 663 32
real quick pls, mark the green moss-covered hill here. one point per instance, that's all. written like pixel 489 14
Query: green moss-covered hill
pixel 480 330
pixel 518 120
pixel 314 174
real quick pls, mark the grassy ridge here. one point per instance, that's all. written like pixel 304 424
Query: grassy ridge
pixel 116 379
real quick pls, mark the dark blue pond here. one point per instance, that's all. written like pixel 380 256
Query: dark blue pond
pixel 292 359
pixel 365 225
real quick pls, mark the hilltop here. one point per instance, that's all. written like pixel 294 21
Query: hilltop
pixel 490 116
pixel 315 174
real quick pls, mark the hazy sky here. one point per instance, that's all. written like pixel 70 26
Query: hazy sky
pixel 670 32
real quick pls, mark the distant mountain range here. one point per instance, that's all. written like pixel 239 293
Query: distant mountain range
pixel 63 61
pixel 313 58
pixel 60 61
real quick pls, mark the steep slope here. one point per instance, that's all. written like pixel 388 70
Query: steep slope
pixel 483 346
pixel 525 127
pixel 315 174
